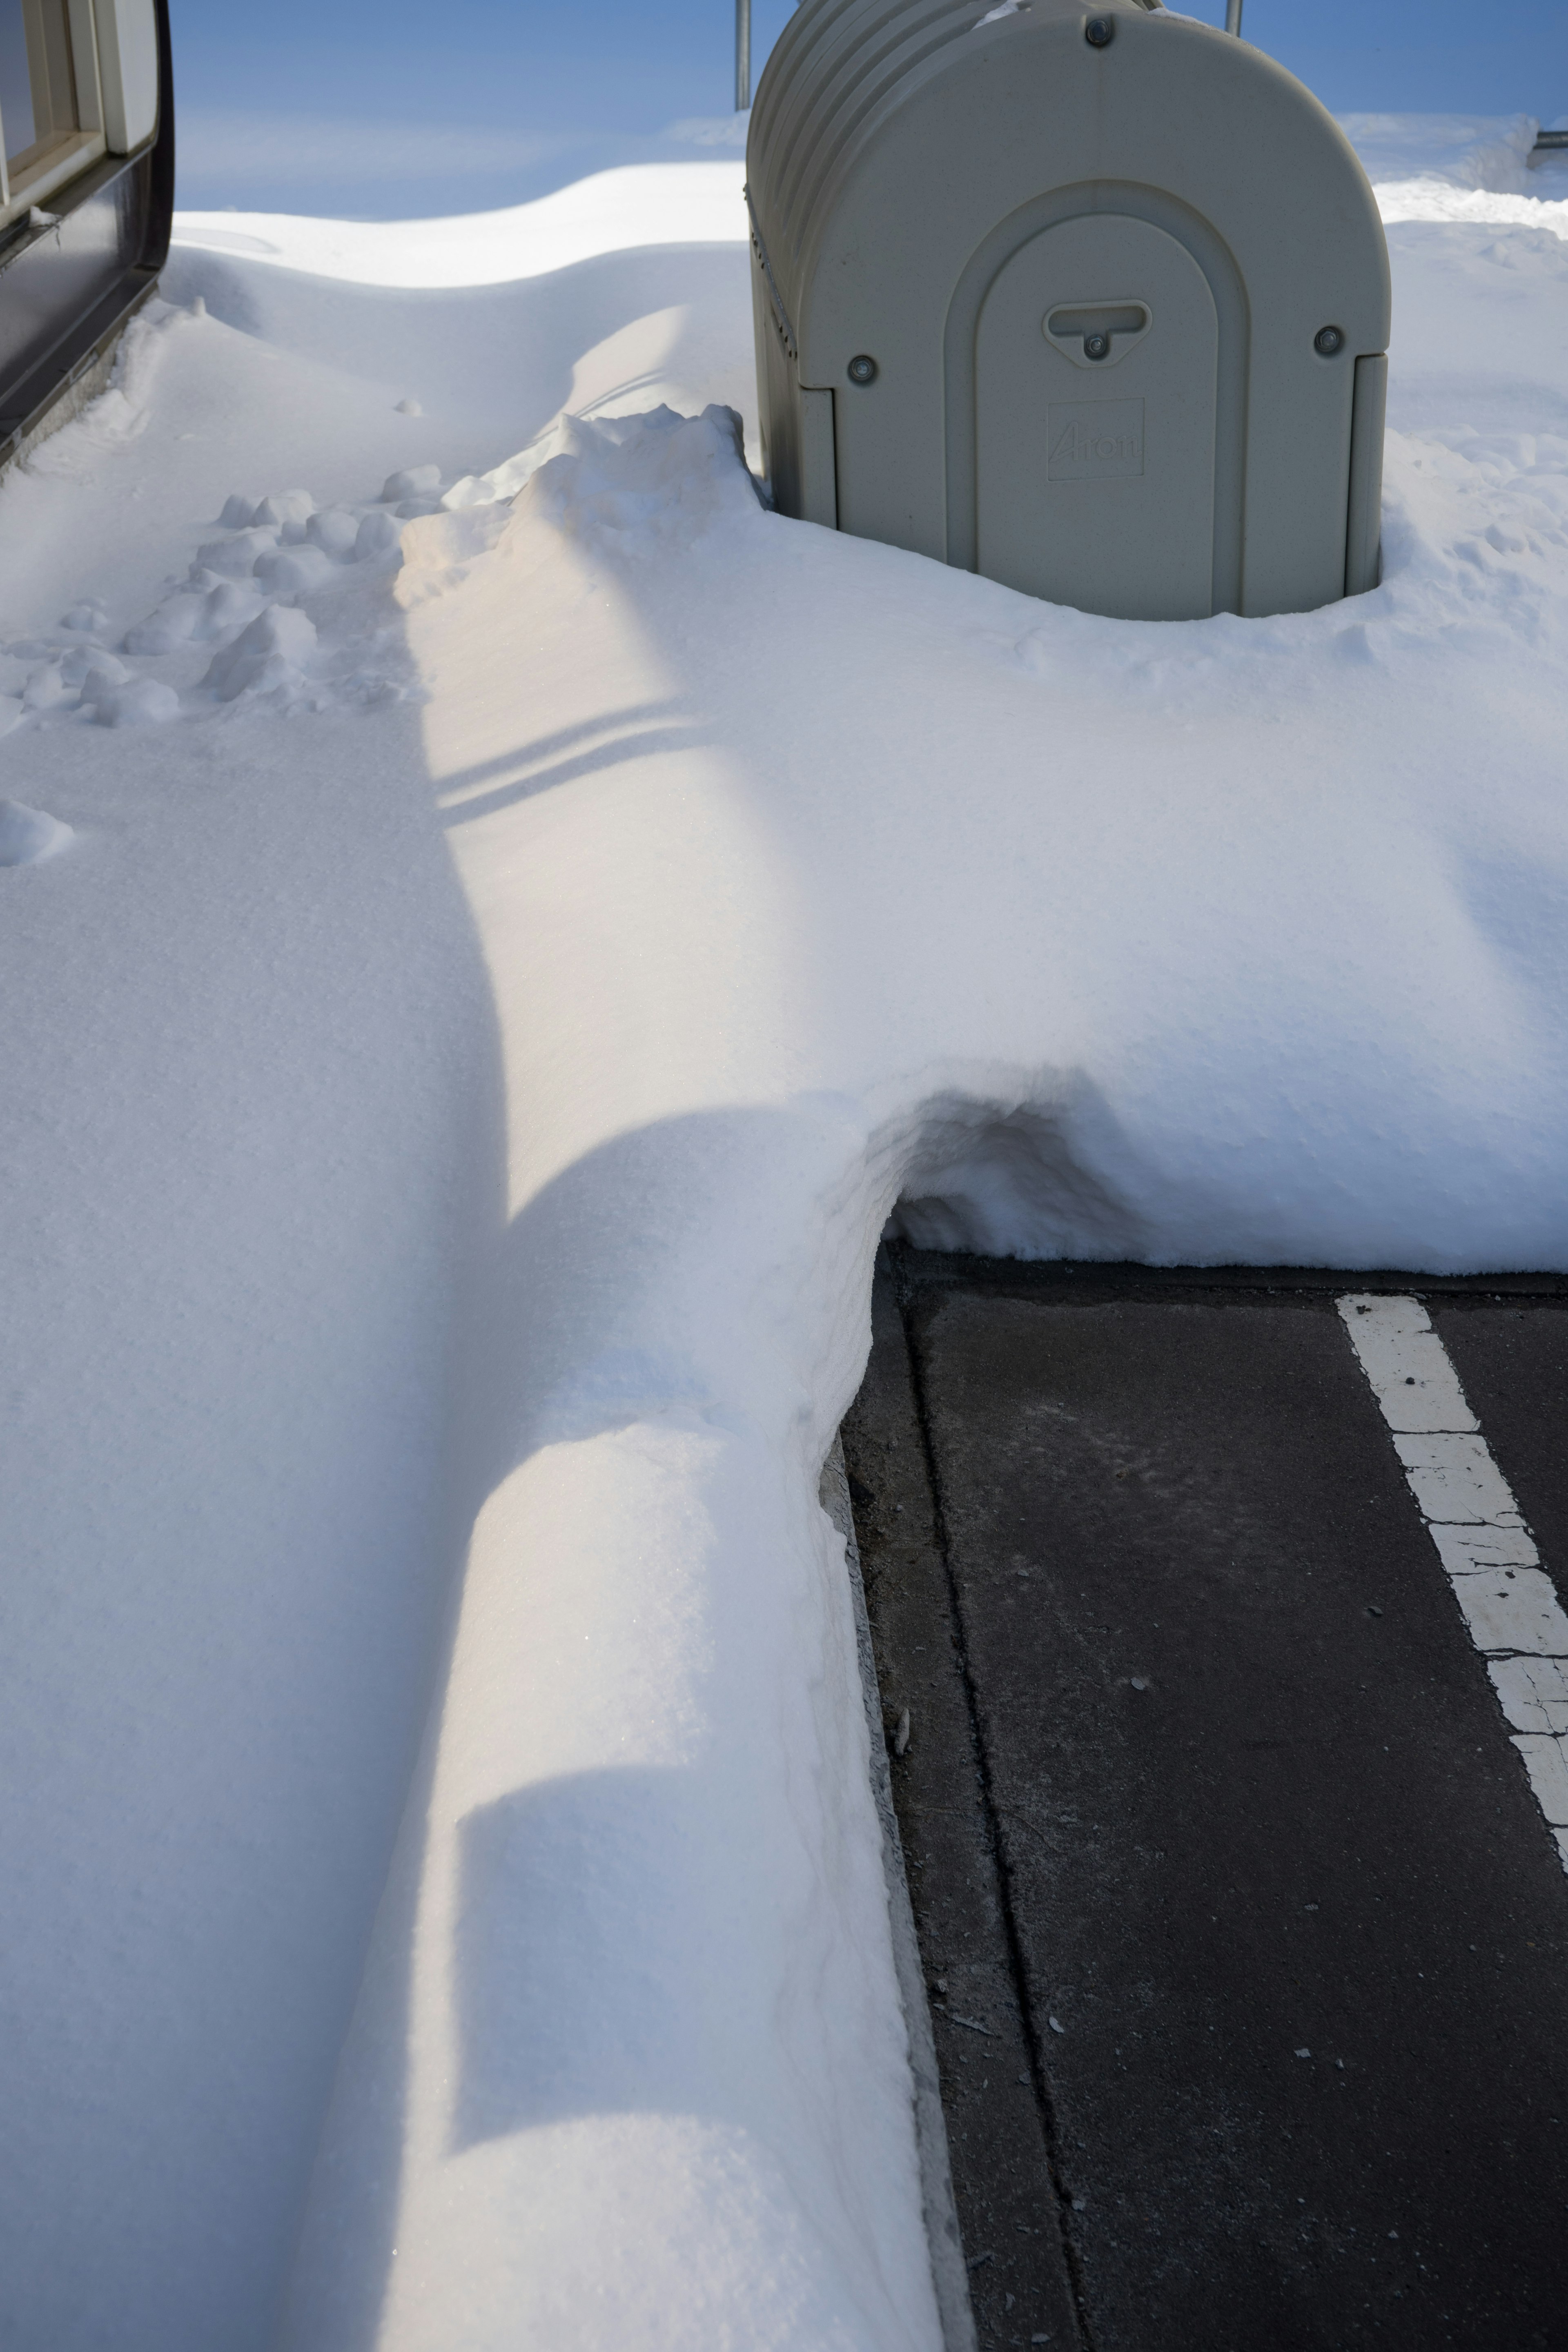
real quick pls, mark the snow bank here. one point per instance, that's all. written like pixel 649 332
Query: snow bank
pixel 1452 167
pixel 1458 150
pixel 624 210
pixel 622 290
pixel 457 1080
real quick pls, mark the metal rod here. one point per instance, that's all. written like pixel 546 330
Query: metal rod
pixel 744 54
pixel 1232 17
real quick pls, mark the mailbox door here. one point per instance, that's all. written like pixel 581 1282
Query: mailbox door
pixel 1095 468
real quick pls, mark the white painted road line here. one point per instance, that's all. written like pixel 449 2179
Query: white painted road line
pixel 1408 1366
pixel 1520 1613
pixel 1455 1481
pixel 1465 1550
pixel 1533 1690
pixel 1548 1768
pixel 1509 1604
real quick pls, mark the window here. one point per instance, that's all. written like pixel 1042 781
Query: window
pixel 38 110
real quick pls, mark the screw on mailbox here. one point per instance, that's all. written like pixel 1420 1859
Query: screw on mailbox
pixel 1100 32
pixel 862 369
pixel 1327 340
pixel 1095 347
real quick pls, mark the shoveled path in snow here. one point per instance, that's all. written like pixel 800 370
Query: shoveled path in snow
pixel 1246 1936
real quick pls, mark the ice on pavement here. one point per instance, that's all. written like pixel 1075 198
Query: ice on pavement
pixel 457 1082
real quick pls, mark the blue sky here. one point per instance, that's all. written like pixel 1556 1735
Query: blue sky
pixel 377 108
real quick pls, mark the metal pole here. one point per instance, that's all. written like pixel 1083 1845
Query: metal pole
pixel 1232 17
pixel 743 53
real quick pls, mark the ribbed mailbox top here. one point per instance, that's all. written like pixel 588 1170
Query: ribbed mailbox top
pixel 840 66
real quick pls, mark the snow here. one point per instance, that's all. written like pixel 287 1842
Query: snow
pixel 1450 167
pixel 1477 151
pixel 626 287
pixel 530 917
pixel 28 835
pixel 625 210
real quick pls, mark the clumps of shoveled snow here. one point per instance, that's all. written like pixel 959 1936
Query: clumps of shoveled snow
pixel 414 489
pixel 283 609
pixel 336 531
pixel 505 480
pixel 658 478
pixel 656 462
pixel 195 614
pixel 138 702
pixel 89 681
pixel 271 655
pixel 650 484
pixel 28 835
pixel 643 485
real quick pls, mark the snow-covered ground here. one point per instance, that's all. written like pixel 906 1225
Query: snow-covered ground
pixel 511 955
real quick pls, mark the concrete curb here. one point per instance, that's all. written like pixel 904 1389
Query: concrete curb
pixel 948 2273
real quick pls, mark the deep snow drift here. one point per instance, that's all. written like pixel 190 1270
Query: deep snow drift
pixel 514 952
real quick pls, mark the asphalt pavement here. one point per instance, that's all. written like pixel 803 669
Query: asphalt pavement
pixel 1243 1915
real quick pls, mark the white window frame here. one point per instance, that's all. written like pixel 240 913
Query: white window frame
pixel 90 143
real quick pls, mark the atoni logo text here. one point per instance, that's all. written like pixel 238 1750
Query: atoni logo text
pixel 1094 440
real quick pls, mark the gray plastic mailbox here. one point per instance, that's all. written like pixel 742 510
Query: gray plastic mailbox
pixel 1093 300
